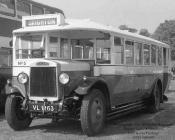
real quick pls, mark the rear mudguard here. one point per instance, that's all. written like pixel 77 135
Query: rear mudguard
pixel 87 83
pixel 159 83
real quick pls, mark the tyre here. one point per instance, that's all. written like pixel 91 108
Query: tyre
pixel 16 118
pixel 154 103
pixel 93 112
pixel 2 102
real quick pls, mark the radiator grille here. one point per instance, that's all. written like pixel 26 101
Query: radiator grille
pixel 43 82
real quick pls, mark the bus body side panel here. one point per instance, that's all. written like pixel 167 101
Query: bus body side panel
pixel 129 88
pixel 128 84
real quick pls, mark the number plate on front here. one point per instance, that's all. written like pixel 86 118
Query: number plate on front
pixel 42 107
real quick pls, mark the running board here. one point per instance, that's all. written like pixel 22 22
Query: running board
pixel 125 109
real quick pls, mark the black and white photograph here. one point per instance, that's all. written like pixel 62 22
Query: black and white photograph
pixel 87 70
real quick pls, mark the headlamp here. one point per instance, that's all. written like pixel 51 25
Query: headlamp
pixel 64 78
pixel 22 78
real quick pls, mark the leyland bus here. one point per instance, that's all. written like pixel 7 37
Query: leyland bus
pixel 80 69
pixel 11 12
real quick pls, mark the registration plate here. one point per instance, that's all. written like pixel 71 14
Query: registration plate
pixel 42 108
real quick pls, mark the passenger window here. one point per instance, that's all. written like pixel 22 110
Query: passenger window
pixel 37 10
pixel 5 57
pixel 146 54
pixel 23 8
pixel 103 51
pixel 168 57
pixel 82 49
pixel 138 53
pixel 7 7
pixel 168 54
pixel 165 56
pixel 129 52
pixel 53 46
pixel 48 11
pixel 65 50
pixel 118 51
pixel 160 56
pixel 153 55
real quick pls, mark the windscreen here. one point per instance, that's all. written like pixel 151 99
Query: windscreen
pixel 30 46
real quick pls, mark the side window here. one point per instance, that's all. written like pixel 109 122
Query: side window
pixel 165 56
pixel 65 50
pixel 103 51
pixel 23 8
pixel 53 46
pixel 153 55
pixel 118 51
pixel 5 58
pixel 169 56
pixel 37 10
pixel 146 54
pixel 82 49
pixel 138 53
pixel 48 11
pixel 160 56
pixel 129 52
pixel 7 7
pixel 77 49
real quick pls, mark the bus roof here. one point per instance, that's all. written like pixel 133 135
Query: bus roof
pixel 86 24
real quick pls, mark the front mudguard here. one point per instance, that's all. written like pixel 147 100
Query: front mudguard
pixel 87 84
pixel 11 90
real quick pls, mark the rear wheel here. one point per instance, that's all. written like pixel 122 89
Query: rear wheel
pixel 154 103
pixel 93 112
pixel 16 117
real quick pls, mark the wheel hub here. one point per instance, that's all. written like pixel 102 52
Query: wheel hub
pixel 98 113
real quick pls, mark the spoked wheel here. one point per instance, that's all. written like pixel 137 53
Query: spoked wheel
pixel 154 105
pixel 93 112
pixel 16 117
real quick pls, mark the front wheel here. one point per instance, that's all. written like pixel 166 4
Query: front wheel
pixel 93 112
pixel 15 116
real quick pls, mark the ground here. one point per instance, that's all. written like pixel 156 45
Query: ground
pixel 135 126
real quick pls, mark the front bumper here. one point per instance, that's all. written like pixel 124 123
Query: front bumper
pixel 65 108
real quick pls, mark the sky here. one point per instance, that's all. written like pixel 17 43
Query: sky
pixel 133 13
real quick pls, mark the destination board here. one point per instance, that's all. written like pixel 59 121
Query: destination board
pixel 41 22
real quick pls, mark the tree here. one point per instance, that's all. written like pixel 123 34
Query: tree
pixel 132 30
pixel 144 32
pixel 125 27
pixel 165 32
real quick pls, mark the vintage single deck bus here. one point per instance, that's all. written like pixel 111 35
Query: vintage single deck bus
pixel 79 69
